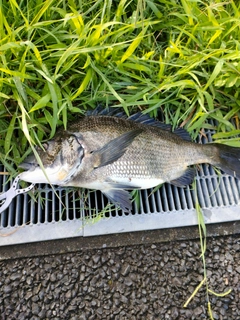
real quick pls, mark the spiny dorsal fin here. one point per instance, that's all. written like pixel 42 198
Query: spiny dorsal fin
pixel 146 119
pixel 107 111
pixel 182 133
pixel 138 117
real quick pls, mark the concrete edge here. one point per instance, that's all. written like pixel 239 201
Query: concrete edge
pixel 78 244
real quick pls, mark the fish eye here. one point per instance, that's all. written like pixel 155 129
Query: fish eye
pixel 71 139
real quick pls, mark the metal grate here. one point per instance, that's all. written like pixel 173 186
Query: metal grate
pixel 65 213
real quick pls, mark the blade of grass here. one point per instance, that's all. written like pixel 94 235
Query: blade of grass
pixel 116 95
pixel 84 83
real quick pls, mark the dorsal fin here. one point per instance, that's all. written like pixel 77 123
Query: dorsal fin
pixel 182 133
pixel 138 117
pixel 146 119
pixel 107 111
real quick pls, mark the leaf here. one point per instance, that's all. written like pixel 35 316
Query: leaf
pixel 220 135
pixel 197 124
pixel 50 119
pixel 46 5
pixel 8 138
pixel 133 46
pixel 111 88
pixel 24 115
pixel 13 73
pixel 10 45
pixel 180 83
pixel 77 21
pixel 54 97
pixel 3 95
pixel 209 100
pixel 136 66
pixel 20 89
pixel 41 103
pixel 35 50
pixel 224 294
pixel 194 293
pixel 84 84
pixel 188 9
pixel 154 8
pixel 215 73
pixel 215 36
pixel 220 119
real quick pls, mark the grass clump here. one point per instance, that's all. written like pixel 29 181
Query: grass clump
pixel 59 58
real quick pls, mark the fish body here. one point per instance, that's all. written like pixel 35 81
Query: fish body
pixel 113 153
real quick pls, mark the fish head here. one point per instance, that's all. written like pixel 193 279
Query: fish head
pixel 61 158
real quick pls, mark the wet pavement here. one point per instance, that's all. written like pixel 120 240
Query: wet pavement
pixel 145 281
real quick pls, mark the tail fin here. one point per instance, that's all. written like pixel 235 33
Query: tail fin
pixel 228 159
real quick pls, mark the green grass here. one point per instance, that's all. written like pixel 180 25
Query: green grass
pixel 59 58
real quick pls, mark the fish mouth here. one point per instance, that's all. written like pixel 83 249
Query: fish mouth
pixel 57 173
pixel 33 173
pixel 29 163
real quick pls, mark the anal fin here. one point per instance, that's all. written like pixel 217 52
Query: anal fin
pixel 121 198
pixel 185 179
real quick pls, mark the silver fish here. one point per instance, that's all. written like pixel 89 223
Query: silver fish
pixel 112 153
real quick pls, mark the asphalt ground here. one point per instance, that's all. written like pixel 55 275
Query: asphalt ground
pixel 150 280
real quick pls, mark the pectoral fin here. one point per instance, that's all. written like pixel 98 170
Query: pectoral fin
pixel 114 149
pixel 121 198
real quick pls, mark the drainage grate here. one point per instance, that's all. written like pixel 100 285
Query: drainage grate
pixel 65 213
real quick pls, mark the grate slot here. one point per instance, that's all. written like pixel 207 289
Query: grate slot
pixel 217 191
pixel 135 208
pixel 186 197
pixel 209 193
pixel 29 214
pixel 144 203
pixel 176 199
pixel 152 203
pixel 201 193
pixel 228 183
pixel 223 191
pixel 163 198
pixel 157 201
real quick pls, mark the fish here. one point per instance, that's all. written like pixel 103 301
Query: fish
pixel 106 150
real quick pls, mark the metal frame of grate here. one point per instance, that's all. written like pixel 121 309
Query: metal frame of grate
pixel 65 213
